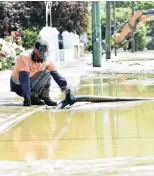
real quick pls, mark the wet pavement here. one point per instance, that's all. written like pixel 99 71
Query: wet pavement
pixel 86 139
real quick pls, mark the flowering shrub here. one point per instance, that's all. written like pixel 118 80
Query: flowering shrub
pixel 29 37
pixel 8 53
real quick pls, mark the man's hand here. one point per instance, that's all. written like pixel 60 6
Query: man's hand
pixel 26 102
pixel 69 97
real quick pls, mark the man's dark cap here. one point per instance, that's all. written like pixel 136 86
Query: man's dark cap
pixel 41 45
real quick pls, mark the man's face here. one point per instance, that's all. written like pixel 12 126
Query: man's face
pixel 38 55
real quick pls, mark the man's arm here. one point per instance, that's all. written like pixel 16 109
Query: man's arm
pixel 61 81
pixel 25 84
pixel 24 71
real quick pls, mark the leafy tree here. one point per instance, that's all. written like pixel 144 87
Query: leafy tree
pixel 139 5
pixel 122 16
pixel 70 15
pixel 144 5
pixel 141 37
pixel 123 13
pixel 13 15
pixel 122 4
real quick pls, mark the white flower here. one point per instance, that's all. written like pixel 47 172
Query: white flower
pixel 11 49
pixel 2 41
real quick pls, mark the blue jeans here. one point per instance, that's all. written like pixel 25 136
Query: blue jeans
pixel 37 82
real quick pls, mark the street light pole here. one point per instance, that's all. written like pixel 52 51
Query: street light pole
pixel 132 37
pixel 96 34
pixel 108 31
pixel 114 17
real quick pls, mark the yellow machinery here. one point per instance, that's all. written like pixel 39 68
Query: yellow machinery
pixel 139 16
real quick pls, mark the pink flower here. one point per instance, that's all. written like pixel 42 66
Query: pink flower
pixel 3 54
pixel 17 34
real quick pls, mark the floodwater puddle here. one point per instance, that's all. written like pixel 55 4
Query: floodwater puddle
pixel 125 85
pixel 115 139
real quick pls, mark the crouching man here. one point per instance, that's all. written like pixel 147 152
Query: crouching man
pixel 31 77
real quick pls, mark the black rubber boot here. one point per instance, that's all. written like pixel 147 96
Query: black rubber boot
pixel 45 96
pixel 36 101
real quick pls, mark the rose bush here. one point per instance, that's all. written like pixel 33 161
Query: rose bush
pixel 8 53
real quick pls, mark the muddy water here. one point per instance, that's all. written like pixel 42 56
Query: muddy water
pixel 118 85
pixel 117 139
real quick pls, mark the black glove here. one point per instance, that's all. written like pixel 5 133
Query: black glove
pixel 69 97
pixel 26 102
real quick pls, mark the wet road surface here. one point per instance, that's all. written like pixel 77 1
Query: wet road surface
pixel 88 139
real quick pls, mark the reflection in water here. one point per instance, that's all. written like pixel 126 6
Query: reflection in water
pixel 115 141
pixel 121 85
pixel 82 136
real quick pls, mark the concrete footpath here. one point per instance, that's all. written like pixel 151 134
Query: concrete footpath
pixel 134 63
